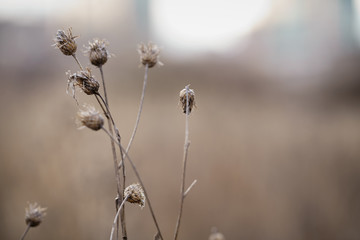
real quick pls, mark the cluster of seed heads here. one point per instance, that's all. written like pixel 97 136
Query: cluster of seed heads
pixel 34 214
pixel 89 117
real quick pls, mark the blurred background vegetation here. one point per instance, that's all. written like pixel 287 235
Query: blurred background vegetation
pixel 274 140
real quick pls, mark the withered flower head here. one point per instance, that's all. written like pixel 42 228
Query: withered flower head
pixel 183 98
pixel 85 81
pixel 98 53
pixel 34 214
pixel 149 54
pixel 65 42
pixel 136 194
pixel 90 118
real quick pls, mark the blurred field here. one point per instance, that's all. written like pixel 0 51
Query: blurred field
pixel 273 161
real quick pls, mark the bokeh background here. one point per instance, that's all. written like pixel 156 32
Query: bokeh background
pixel 275 137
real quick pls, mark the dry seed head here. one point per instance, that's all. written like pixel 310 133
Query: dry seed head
pixel 65 42
pixel 85 81
pixel 183 100
pixel 149 54
pixel 136 194
pixel 98 53
pixel 34 214
pixel 90 118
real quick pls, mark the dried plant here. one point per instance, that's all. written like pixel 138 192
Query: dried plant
pixel 187 99
pixel 135 194
pixel 34 215
pixel 65 42
pixel 98 54
pixel 149 54
pixel 187 103
pixel 90 118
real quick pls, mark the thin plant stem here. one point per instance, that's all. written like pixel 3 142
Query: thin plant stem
pixel 139 112
pixel 140 108
pixel 110 122
pixel 77 61
pixel 186 149
pixel 26 231
pixel 117 216
pixel 189 188
pixel 140 181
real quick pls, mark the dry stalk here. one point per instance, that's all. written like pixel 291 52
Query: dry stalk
pixel 140 108
pixel 186 148
pixel 77 61
pixel 111 123
pixel 26 231
pixel 140 181
pixel 117 217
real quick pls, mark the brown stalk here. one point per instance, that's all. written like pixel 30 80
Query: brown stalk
pixel 77 61
pixel 186 148
pixel 26 231
pixel 117 216
pixel 110 123
pixel 139 112
pixel 140 181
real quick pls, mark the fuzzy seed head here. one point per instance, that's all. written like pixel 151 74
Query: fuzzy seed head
pixel 65 42
pixel 34 214
pixel 98 53
pixel 90 118
pixel 85 81
pixel 149 54
pixel 183 98
pixel 136 194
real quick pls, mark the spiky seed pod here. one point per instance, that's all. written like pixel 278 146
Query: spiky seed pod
pixel 34 214
pixel 149 54
pixel 98 53
pixel 136 194
pixel 90 118
pixel 85 81
pixel 183 100
pixel 65 42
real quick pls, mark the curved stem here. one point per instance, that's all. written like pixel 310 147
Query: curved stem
pixel 106 102
pixel 77 61
pixel 186 148
pixel 140 181
pixel 117 216
pixel 140 109
pixel 26 231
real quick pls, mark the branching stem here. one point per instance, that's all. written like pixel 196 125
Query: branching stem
pixel 140 181
pixel 117 216
pixel 111 123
